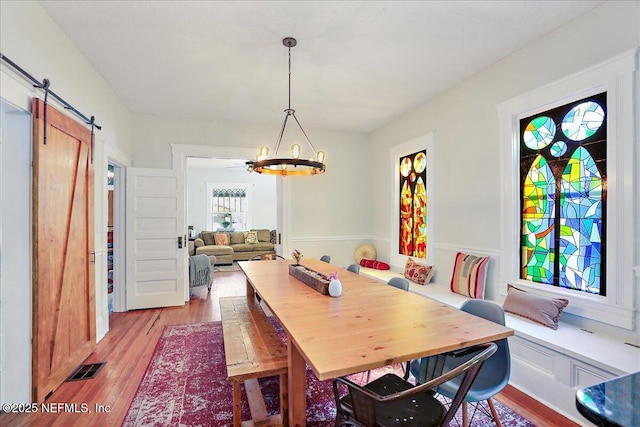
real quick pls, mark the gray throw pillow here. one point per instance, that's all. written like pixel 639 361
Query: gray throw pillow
pixel 263 235
pixel 539 309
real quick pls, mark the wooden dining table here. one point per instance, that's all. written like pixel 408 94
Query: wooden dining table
pixel 369 326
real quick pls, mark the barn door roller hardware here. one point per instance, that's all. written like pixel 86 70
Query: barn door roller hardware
pixel 45 85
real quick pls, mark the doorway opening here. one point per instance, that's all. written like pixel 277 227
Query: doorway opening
pixel 253 205
pixel 110 275
pixel 115 238
pixel 15 253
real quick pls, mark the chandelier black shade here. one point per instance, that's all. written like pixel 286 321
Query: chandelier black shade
pixel 293 165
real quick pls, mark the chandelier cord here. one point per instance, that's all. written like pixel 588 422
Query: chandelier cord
pixel 289 76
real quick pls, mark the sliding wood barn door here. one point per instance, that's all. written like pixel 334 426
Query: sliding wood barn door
pixel 64 332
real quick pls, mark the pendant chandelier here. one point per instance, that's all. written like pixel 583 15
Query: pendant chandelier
pixel 293 165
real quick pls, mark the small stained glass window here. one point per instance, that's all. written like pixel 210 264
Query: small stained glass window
pixel 539 132
pixel 558 148
pixel 582 121
pixel 563 196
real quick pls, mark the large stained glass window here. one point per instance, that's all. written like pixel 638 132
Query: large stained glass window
pixel 563 174
pixel 413 205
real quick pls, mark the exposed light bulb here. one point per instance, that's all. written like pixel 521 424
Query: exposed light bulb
pixel 320 156
pixel 295 151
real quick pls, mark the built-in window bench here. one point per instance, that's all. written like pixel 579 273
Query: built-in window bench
pixel 549 365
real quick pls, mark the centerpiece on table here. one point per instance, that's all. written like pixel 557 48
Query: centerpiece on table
pixel 309 277
pixel 335 285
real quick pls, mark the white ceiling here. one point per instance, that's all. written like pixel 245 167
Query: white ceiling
pixel 358 64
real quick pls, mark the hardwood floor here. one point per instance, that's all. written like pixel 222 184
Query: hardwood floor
pixel 129 345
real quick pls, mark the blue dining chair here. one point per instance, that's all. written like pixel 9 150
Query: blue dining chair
pixel 325 258
pixel 355 268
pixel 399 282
pixel 494 374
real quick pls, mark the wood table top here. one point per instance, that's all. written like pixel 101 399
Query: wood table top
pixel 370 325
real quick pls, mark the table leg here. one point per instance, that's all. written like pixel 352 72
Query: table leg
pixel 250 292
pixel 237 399
pixel 284 399
pixel 297 383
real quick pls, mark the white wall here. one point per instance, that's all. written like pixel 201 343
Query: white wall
pixel 30 39
pixel 262 206
pixel 467 152
pixel 326 213
pixel 15 254
pixel 34 42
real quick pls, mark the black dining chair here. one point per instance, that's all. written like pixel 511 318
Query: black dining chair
pixel 391 401
pixel 325 258
pixel 492 378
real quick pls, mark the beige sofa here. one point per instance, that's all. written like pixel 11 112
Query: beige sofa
pixel 238 249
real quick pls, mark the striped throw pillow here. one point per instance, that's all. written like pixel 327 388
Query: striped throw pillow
pixel 469 275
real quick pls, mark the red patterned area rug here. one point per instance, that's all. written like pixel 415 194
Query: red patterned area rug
pixel 185 385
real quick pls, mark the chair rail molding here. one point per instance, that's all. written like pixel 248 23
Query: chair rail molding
pixel 329 238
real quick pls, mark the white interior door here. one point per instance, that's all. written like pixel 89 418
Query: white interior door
pixel 156 247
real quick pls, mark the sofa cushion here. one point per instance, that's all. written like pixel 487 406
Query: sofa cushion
pixel 208 237
pixel 263 246
pixel 222 238
pixel 366 251
pixel 263 235
pixel 217 250
pixel 242 247
pixel 237 237
pixel 250 237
